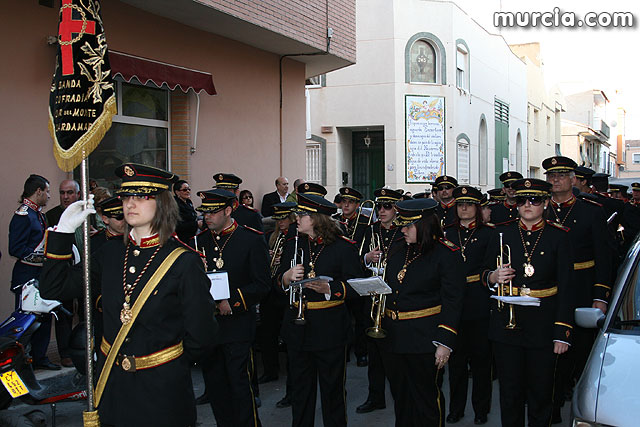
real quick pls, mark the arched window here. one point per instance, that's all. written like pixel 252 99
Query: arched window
pixel 462 65
pixel 483 151
pixel 423 62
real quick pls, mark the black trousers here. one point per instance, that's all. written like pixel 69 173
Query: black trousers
pixel 359 310
pixel 271 314
pixel 473 349
pixel 376 372
pixel 228 384
pixel 307 368
pixel 526 375
pixel 63 330
pixel 415 386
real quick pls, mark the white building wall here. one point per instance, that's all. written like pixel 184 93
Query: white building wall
pixel 372 92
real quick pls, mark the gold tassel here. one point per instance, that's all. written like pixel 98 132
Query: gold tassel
pixel 69 159
pixel 91 419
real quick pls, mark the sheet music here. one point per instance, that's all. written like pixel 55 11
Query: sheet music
pixel 219 285
pixel 367 285
pixel 524 301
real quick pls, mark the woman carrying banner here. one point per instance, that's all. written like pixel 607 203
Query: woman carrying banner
pixel 156 304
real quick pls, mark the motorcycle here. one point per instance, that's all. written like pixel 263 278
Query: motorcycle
pixel 16 365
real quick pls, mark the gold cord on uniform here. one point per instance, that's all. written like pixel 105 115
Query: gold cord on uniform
pixel 528 267
pixel 558 209
pixel 407 263
pixel 125 313
pixel 219 261
pixel 463 247
pixel 312 260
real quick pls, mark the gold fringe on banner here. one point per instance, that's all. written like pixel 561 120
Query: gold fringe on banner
pixel 69 159
pixel 91 419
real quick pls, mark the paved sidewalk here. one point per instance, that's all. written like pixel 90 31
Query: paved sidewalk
pixel 69 414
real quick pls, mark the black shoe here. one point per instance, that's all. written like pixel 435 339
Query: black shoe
pixel 47 364
pixel 285 402
pixel 369 406
pixel 362 361
pixel 454 418
pixel 267 378
pixel 480 420
pixel 258 401
pixel 202 400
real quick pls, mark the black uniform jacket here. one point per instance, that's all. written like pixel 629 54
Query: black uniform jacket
pixel 248 216
pixel 348 224
pixel 245 256
pixel 179 310
pixel 537 327
pixel 446 212
pixel 588 236
pixel 473 242
pixel 326 328
pixel 433 279
pixel 503 212
pixel 387 237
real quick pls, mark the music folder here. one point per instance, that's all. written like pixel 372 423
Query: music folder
pixel 367 286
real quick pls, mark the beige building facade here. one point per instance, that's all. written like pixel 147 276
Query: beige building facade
pixel 545 105
pixel 254 126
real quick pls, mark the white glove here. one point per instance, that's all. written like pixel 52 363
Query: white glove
pixel 74 215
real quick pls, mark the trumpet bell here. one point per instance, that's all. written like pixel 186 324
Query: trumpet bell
pixel 299 321
pixel 374 332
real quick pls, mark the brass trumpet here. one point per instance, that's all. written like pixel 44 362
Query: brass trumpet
pixel 277 252
pixel 355 225
pixel 296 292
pixel 378 301
pixel 500 263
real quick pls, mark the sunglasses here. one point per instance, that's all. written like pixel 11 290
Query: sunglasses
pixel 385 205
pixel 533 200
pixel 445 187
pixel 185 189
pixel 302 213
pixel 118 217
pixel 247 197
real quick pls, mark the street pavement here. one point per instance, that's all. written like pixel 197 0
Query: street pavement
pixel 69 414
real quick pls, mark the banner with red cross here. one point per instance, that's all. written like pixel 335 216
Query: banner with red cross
pixel 82 101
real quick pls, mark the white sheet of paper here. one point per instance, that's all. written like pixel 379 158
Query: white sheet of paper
pixel 525 301
pixel 368 285
pixel 219 285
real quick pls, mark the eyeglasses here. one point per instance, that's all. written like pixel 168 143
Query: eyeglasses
pixel 533 200
pixel 558 175
pixel 386 206
pixel 302 213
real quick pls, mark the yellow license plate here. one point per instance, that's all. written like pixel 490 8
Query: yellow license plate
pixel 13 383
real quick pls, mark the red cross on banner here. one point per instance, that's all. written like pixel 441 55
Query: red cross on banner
pixel 68 27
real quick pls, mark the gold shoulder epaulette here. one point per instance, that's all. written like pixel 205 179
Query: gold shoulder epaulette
pixel 253 229
pixel 490 225
pixel 449 244
pixel 22 210
pixel 593 202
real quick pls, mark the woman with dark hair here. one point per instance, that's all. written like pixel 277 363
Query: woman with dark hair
pixel 472 236
pixel 317 345
pixel 527 340
pixel 187 226
pixel 246 198
pixel 421 315
pixel 158 314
